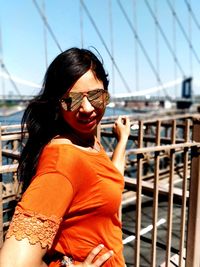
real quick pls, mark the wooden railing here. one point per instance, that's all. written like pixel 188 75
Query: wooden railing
pixel 162 164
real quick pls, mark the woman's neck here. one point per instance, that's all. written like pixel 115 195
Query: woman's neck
pixel 82 140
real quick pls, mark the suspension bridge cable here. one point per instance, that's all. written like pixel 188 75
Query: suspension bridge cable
pixel 81 23
pixel 1 59
pixel 142 47
pixel 10 78
pixel 192 14
pixel 105 46
pixel 136 46
pixel 165 38
pixel 190 37
pixel 174 47
pixel 1 46
pixel 183 31
pixel 43 17
pixel 45 35
pixel 110 16
pixel 111 44
pixel 4 69
pixel 156 38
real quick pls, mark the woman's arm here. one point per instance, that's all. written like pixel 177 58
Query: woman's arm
pixel 122 130
pixel 21 253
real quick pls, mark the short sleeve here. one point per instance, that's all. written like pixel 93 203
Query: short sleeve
pixel 40 212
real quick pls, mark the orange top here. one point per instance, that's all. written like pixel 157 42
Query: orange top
pixel 72 204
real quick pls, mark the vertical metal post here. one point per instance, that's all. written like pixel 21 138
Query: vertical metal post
pixel 139 197
pixel 171 195
pixel 192 250
pixel 184 197
pixel 155 196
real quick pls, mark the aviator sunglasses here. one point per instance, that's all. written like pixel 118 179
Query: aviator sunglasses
pixel 98 98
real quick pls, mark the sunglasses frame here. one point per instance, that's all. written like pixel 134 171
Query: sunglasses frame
pixel 68 104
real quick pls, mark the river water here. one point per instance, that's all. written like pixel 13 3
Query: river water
pixel 16 118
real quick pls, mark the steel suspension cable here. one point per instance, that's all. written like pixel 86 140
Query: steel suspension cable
pixel 183 31
pixel 136 46
pixel 190 37
pixel 193 17
pixel 142 47
pixel 3 66
pixel 43 17
pixel 1 60
pixel 165 39
pixel 192 14
pixel 105 46
pixel 45 35
pixel 111 44
pixel 157 38
pixel 81 23
pixel 5 70
pixel 174 47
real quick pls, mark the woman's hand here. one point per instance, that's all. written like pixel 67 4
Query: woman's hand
pixel 90 261
pixel 121 128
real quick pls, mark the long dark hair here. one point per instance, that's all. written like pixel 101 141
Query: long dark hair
pixel 41 117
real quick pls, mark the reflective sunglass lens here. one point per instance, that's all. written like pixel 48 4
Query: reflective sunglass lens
pixel 98 98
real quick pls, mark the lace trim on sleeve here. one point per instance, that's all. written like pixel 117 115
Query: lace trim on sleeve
pixel 36 227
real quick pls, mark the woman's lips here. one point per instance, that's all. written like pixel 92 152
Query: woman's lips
pixel 88 121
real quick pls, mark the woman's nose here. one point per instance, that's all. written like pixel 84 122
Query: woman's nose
pixel 86 106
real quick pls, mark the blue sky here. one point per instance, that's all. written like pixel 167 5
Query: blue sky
pixel 23 46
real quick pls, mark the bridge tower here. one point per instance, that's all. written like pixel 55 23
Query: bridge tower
pixel 186 97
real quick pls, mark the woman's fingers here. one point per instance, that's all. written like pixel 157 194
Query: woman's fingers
pixel 120 119
pixel 122 127
pixel 90 258
pixel 124 120
pixel 102 259
pixel 94 253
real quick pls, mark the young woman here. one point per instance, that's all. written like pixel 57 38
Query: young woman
pixel 68 214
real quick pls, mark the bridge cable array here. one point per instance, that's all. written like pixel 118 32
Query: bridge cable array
pixel 165 38
pixel 183 31
pixel 192 14
pixel 45 35
pixel 4 69
pixel 3 66
pixel 156 39
pixel 81 23
pixel 1 59
pixel 174 42
pixel 105 46
pixel 111 43
pixel 143 49
pixel 43 17
pixel 138 42
pixel 190 38
pixel 136 46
